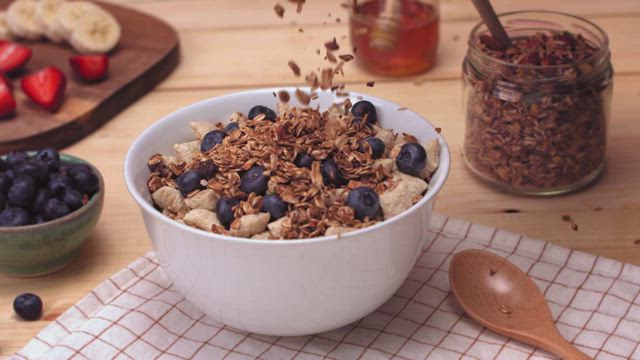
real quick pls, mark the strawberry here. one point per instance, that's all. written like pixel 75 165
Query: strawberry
pixel 7 101
pixel 90 67
pixel 45 87
pixel 12 56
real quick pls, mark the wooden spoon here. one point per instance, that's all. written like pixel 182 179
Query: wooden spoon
pixel 501 297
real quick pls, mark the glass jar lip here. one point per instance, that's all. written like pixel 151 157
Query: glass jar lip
pixel 604 48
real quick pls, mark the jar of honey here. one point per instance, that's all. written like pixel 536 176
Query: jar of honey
pixel 410 29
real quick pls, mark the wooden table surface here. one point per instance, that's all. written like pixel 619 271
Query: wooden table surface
pixel 230 45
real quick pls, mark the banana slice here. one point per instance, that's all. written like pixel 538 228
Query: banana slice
pixel 20 18
pixel 5 33
pixel 69 14
pixel 46 12
pixel 96 33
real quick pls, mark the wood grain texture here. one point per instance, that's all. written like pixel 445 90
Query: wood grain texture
pixel 141 60
pixel 218 61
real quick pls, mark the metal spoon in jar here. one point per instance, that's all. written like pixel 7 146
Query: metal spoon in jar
pixel 501 297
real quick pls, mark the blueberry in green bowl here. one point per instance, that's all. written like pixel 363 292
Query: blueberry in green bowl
pixel 49 204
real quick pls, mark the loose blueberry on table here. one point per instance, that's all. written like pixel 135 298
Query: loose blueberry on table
pixel 39 188
pixel 28 306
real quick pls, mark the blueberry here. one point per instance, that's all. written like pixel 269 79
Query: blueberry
pixel 15 216
pixel 331 173
pixel 254 181
pixel 73 198
pixel 365 202
pixel 41 198
pixel 365 108
pixel 10 174
pixel 28 306
pixel 212 139
pixel 376 145
pixel 54 209
pixel 22 192
pixel 231 127
pixel 224 210
pixel 39 219
pixel 57 183
pixel 189 181
pixel 86 181
pixel 5 182
pixel 50 157
pixel 3 165
pixel 16 157
pixel 259 109
pixel 36 168
pixel 274 205
pixel 411 159
pixel 303 160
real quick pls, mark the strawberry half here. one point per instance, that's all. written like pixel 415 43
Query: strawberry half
pixel 45 87
pixel 7 101
pixel 90 67
pixel 13 56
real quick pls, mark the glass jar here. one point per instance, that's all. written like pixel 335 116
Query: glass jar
pixel 537 129
pixel 411 48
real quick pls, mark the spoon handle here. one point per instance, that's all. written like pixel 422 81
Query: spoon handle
pixel 565 350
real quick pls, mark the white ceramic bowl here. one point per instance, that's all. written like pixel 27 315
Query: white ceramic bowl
pixel 286 287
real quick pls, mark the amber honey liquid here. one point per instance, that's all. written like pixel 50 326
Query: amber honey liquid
pixel 416 45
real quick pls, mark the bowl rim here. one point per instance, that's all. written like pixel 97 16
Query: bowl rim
pixel 433 190
pixel 95 199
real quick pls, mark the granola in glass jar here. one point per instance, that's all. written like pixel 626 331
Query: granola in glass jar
pixel 536 113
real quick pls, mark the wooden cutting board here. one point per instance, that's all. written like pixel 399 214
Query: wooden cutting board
pixel 147 53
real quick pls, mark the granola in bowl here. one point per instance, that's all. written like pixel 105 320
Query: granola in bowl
pixel 293 173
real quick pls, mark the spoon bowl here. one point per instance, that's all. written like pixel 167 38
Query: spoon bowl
pixel 501 297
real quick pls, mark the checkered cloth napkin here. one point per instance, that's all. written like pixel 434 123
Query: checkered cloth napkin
pixel 137 315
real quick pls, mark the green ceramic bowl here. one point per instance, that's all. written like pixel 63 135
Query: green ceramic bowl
pixel 41 249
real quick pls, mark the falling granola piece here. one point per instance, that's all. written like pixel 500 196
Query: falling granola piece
pixel 284 96
pixel 346 57
pixel 279 9
pixel 337 230
pixel 201 219
pixel 295 68
pixel 303 97
pixel 168 198
pixel 187 151
pixel 371 83
pixel 399 198
pixel 205 199
pixel 332 45
pixel 249 225
pixel 201 128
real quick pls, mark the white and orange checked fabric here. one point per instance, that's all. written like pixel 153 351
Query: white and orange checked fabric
pixel 136 315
